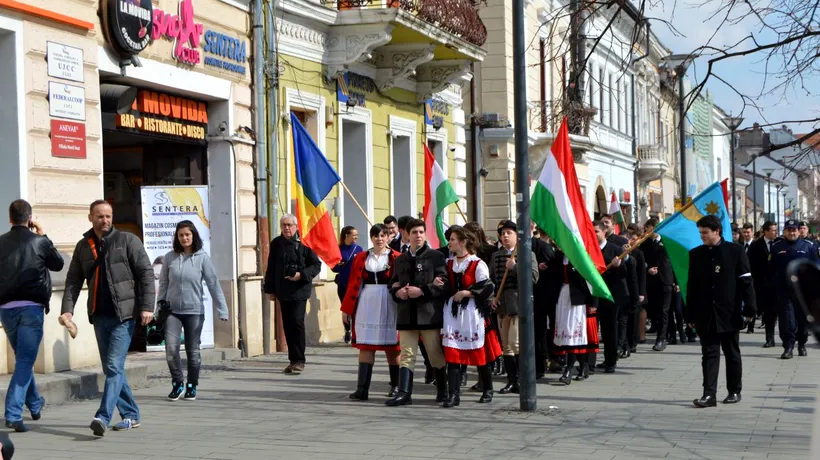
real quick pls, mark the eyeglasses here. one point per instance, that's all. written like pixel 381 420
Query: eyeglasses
pixel 288 225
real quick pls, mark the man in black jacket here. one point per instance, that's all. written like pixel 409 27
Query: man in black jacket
pixel 25 291
pixel 622 283
pixel 719 296
pixel 289 277
pixel 628 319
pixel 419 302
pixel 758 254
pixel 118 272
pixel 659 284
pixel 543 301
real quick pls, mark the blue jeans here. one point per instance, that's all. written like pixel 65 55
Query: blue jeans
pixel 24 328
pixel 113 340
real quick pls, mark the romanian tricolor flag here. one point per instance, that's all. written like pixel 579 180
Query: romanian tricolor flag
pixel 315 177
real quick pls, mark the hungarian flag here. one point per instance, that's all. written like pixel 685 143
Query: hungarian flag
pixel 617 215
pixel 558 207
pixel 438 194
pixel 315 177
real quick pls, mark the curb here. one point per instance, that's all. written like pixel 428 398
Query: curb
pixel 85 383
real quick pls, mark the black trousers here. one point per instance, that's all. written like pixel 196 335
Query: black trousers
pixel 541 347
pixel 293 322
pixel 628 327
pixel 765 304
pixel 660 299
pixel 711 344
pixel 341 291
pixel 608 315
pixel 676 320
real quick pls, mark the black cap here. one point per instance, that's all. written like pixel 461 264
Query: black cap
pixel 803 223
pixel 791 223
pixel 507 224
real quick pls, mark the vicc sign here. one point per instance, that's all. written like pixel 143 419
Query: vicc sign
pixel 182 29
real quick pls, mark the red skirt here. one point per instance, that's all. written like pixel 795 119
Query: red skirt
pixel 480 356
pixel 592 337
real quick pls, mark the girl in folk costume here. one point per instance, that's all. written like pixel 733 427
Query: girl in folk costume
pixel 372 309
pixel 576 323
pixel 464 338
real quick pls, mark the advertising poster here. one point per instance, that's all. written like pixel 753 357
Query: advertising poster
pixel 163 207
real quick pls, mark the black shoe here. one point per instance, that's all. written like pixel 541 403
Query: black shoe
pixel 633 350
pixel 38 415
pixel 497 366
pixel 363 384
pixel 584 370
pixel 429 376
pixel 683 337
pixel 394 381
pixel 624 354
pixel 177 388
pixel 673 340
pixel 190 392
pixel 600 366
pixel 769 343
pixel 660 345
pixel 485 380
pixel 442 382
pixel 512 376
pixel 733 398
pixel 348 337
pixel 566 377
pixel 609 370
pixel 405 396
pixel 705 401
pixel 477 386
pixel 801 351
pixel 18 426
pixel 453 388
pixel 750 330
pixel 787 354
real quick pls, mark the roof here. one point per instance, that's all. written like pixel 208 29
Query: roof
pixel 813 141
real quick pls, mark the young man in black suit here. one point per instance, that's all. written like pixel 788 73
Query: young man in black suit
pixel 720 299
pixel 621 282
pixel 758 255
pixel 659 284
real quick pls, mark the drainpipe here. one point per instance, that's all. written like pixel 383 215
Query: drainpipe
pixel 478 199
pixel 261 166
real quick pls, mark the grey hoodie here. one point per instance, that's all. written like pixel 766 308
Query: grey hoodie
pixel 180 283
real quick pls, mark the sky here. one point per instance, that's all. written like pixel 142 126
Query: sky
pixel 695 23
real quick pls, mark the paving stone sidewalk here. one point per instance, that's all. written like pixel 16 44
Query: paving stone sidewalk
pixel 247 409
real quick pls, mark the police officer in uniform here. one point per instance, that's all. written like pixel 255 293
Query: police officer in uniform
pixel 803 231
pixel 793 323
pixel 718 298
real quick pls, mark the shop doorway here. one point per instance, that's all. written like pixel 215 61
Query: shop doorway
pixel 403 175
pixel 356 174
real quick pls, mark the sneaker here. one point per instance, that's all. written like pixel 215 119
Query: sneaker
pixel 289 369
pixel 98 427
pixel 298 368
pixel 190 392
pixel 38 415
pixel 17 426
pixel 176 391
pixel 127 424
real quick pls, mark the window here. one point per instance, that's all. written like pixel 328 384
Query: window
pixel 601 86
pixel 612 89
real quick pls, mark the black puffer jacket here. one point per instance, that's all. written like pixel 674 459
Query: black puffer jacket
pixel 25 261
pixel 127 268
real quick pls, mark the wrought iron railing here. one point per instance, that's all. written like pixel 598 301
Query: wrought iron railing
pixel 546 116
pixel 458 17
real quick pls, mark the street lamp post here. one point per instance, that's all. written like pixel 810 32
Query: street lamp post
pixel 733 123
pixel 783 193
pixel 680 62
pixel 769 173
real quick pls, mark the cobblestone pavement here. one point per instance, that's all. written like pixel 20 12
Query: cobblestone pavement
pixel 248 410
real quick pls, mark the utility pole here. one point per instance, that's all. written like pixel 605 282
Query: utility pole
pixel 526 332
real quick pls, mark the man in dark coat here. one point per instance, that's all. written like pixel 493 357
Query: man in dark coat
pixel 659 283
pixel 419 303
pixel 758 254
pixel 543 305
pixel 719 301
pixel 628 319
pixel 618 279
pixel 289 279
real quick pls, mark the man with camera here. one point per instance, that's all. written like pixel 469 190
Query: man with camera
pixel 25 290
pixel 291 269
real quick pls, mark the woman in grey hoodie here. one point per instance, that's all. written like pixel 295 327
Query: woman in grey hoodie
pixel 180 286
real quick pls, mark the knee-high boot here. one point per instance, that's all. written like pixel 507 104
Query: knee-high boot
pixel 566 378
pixel 404 396
pixel 441 384
pixel 394 381
pixel 363 385
pixel 453 386
pixel 511 365
pixel 485 377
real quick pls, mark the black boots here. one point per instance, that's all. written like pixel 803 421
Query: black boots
pixel 485 378
pixel 363 386
pixel 463 370
pixel 453 386
pixel 566 377
pixel 583 370
pixel 511 365
pixel 404 396
pixel 441 384
pixel 429 375
pixel 394 381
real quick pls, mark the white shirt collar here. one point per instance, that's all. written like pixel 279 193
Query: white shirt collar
pixel 603 244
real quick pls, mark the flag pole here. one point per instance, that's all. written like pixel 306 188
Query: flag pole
pixel 461 212
pixel 350 194
pixel 504 278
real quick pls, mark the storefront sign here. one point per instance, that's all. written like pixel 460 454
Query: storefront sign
pixel 127 24
pixel 64 61
pixel 435 111
pixel 165 115
pixel 163 207
pixel 66 101
pixel 354 89
pixel 227 48
pixel 68 139
pixel 182 29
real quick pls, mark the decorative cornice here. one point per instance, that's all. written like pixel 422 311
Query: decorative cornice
pixel 395 62
pixel 437 76
pixel 348 45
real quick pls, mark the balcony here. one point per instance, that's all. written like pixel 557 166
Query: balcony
pixel 430 42
pixel 545 118
pixel 652 164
